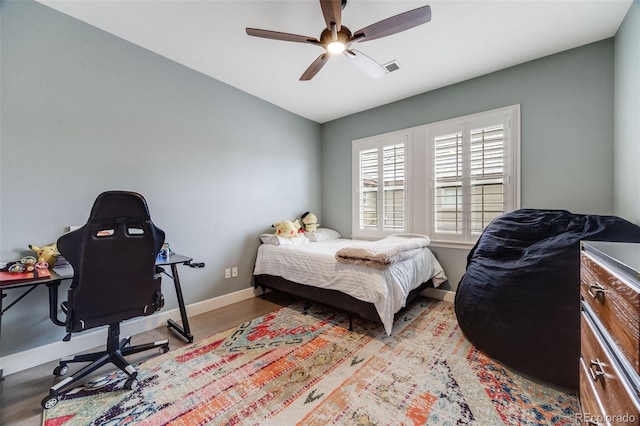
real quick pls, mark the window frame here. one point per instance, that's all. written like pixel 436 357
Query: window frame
pixel 419 185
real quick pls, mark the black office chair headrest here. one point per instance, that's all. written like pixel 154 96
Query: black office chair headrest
pixel 111 205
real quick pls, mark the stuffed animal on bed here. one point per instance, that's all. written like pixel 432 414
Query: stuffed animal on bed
pixel 288 229
pixel 310 222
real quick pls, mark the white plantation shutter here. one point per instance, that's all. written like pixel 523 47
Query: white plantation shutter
pixel 487 176
pixel 380 192
pixel 447 170
pixel 369 189
pixel 448 179
pixel 393 186
pixel 473 159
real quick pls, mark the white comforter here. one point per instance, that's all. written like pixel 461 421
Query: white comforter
pixel 315 264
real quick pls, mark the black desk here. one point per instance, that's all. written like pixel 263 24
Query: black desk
pixel 53 282
pixel 174 260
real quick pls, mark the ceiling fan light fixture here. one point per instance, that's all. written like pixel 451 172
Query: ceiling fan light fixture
pixel 337 38
pixel 336 47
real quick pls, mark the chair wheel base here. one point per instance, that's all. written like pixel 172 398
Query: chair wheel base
pixel 131 383
pixel 61 370
pixel 50 401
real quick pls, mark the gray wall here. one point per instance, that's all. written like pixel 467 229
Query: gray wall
pixel 83 111
pixel 627 116
pixel 566 139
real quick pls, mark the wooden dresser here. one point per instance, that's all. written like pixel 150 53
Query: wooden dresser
pixel 610 333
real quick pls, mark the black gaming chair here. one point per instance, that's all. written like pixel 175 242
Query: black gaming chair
pixel 115 279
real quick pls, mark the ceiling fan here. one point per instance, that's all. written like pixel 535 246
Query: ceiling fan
pixel 336 38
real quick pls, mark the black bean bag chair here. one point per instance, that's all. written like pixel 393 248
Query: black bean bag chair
pixel 519 299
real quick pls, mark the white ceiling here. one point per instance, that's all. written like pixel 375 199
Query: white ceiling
pixel 464 39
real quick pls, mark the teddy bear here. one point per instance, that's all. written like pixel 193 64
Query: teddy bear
pixel 310 222
pixel 288 229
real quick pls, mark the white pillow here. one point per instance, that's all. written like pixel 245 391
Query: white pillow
pixel 322 234
pixel 277 240
pixel 269 239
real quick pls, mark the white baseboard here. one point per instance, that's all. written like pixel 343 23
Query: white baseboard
pixel 81 342
pixel 436 293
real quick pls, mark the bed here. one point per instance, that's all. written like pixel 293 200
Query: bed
pixel 372 280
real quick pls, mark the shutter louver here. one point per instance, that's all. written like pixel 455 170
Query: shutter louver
pixel 393 171
pixel 487 176
pixel 447 203
pixel 369 189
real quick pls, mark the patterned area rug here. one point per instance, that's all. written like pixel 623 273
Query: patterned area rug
pixel 300 365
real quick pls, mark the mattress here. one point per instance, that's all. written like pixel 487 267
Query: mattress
pixel 315 264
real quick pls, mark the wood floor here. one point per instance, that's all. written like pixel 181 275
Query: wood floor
pixel 21 393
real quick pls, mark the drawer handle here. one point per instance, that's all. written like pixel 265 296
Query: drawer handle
pixel 596 290
pixel 599 370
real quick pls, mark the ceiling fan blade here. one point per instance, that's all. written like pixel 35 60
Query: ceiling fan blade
pixel 365 63
pixel 315 67
pixel 394 24
pixel 276 35
pixel 332 11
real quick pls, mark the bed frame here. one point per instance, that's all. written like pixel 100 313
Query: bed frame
pixel 333 298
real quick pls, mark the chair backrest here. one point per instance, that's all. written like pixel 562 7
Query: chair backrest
pixel 113 258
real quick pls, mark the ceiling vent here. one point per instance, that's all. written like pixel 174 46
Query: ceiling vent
pixel 392 66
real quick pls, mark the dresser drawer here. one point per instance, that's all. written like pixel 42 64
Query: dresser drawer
pixel 616 304
pixel 605 375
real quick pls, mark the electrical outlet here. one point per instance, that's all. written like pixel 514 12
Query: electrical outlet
pixel 227 273
pixel 234 271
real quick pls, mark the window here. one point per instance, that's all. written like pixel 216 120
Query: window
pixel 474 168
pixel 447 179
pixel 380 188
